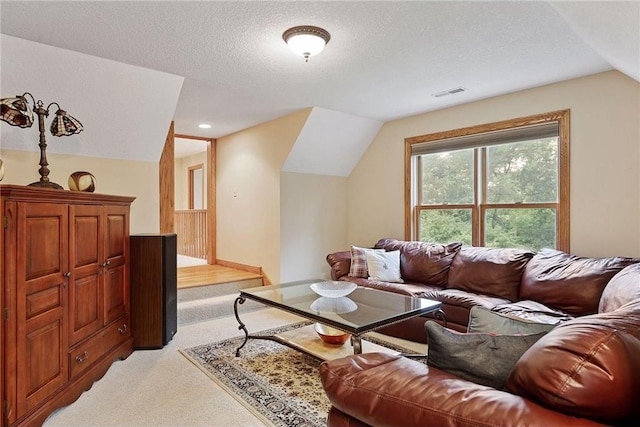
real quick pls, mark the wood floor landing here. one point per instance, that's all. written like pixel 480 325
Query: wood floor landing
pixel 201 275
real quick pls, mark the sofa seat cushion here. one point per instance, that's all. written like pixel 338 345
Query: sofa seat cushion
pixel 588 367
pixel 490 271
pixel 456 304
pixel 533 311
pixel 621 289
pixel 390 390
pixel 421 261
pixel 568 282
pixel 464 299
pixel 407 288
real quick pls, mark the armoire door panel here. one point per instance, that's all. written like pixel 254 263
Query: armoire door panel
pixel 117 227
pixel 87 256
pixel 43 243
pixel 43 300
pixel 85 240
pixel 44 367
pixel 115 293
pixel 84 306
pixel 41 292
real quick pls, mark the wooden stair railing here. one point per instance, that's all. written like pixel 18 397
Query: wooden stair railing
pixel 191 228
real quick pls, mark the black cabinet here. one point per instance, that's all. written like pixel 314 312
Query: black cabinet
pixel 154 318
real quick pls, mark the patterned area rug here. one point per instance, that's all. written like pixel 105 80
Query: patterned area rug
pixel 279 385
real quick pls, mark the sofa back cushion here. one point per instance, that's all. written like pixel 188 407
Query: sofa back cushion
pixel 622 288
pixel 491 271
pixel 568 282
pixel 422 262
pixel 487 321
pixel 588 367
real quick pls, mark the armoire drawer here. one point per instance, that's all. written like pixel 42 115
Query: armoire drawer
pixel 88 352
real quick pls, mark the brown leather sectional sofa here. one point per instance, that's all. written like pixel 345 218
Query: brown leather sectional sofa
pixel 585 372
pixel 547 287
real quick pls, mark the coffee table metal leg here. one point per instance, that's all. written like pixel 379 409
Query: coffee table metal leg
pixel 240 300
pixel 441 316
pixel 356 344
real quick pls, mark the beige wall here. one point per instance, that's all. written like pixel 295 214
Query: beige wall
pixel 120 177
pixel 313 223
pixel 182 181
pixel 248 167
pixel 605 161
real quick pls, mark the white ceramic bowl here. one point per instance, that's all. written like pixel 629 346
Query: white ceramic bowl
pixel 333 289
pixel 334 305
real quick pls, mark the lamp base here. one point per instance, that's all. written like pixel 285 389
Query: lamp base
pixel 46 184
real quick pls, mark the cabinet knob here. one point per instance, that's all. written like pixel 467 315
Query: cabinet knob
pixel 124 329
pixel 67 274
pixel 83 357
pixel 106 263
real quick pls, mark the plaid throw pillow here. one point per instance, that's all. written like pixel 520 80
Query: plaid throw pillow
pixel 359 261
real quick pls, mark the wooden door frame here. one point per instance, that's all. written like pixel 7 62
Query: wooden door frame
pixel 191 183
pixel 167 189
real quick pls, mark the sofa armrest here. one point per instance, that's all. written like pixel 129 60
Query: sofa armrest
pixel 387 390
pixel 340 263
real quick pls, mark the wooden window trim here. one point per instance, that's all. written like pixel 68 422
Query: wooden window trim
pixel 562 207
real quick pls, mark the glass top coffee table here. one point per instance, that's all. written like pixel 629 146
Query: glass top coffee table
pixel 361 311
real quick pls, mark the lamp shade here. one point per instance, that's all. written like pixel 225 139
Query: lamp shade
pixel 306 40
pixel 64 124
pixel 16 111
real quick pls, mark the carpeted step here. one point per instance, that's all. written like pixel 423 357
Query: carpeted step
pixel 204 309
pixel 220 289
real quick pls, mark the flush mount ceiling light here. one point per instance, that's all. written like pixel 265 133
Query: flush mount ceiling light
pixel 204 126
pixel 306 40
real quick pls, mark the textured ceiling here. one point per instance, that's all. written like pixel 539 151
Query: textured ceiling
pixel 385 60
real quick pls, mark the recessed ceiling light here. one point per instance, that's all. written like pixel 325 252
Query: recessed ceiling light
pixel 204 126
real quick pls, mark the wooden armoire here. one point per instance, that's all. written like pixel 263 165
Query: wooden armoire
pixel 65 298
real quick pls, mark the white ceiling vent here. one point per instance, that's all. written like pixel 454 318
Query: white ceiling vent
pixel 449 92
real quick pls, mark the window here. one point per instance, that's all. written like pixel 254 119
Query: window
pixel 502 184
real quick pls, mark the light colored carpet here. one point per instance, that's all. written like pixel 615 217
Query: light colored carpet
pixel 162 388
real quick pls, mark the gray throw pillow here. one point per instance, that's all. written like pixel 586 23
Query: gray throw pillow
pixel 485 359
pixel 483 320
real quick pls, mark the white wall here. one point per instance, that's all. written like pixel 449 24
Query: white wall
pixel 313 223
pixel 119 177
pixel 248 165
pixel 182 179
pixel 605 161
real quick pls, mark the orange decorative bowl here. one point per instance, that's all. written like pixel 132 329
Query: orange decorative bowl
pixel 331 335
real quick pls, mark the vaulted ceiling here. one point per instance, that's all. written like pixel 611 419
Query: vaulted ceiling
pixel 225 63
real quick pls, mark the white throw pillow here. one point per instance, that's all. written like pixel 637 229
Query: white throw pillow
pixel 384 266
